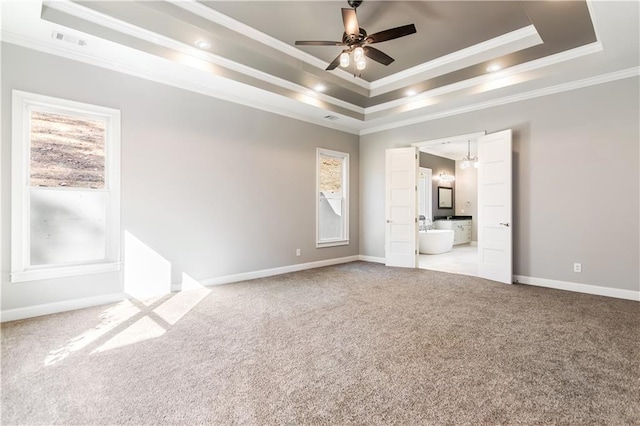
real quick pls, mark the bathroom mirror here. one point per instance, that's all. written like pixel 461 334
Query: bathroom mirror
pixel 445 197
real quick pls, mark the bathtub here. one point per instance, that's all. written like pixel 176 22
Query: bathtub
pixel 435 241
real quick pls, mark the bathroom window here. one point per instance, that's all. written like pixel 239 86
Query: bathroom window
pixel 65 188
pixel 332 202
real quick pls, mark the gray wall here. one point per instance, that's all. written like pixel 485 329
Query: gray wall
pixel 576 181
pixel 439 165
pixel 213 187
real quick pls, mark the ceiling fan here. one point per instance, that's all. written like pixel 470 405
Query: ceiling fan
pixel 356 41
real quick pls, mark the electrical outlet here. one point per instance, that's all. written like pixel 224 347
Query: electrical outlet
pixel 297 252
pixel 577 267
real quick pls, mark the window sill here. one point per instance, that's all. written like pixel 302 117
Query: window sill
pixel 332 243
pixel 63 271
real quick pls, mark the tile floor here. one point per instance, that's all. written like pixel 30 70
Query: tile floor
pixel 462 259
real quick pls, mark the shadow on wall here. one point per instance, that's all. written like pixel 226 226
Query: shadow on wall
pixel 521 183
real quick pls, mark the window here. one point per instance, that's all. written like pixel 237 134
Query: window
pixel 65 217
pixel 332 214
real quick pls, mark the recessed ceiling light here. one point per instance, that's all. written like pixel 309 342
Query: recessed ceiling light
pixel 320 87
pixel 202 44
pixel 410 93
pixel 493 68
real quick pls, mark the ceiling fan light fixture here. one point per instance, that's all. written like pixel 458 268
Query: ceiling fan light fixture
pixel 356 39
pixel 344 59
pixel 358 54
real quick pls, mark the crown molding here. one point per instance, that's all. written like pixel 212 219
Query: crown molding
pixel 356 126
pixel 515 40
pixel 524 35
pixel 235 92
pixel 300 103
pixel 487 78
pixel 82 12
pixel 565 87
pixel 212 15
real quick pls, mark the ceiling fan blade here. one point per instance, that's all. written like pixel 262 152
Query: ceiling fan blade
pixel 350 20
pixel 377 55
pixel 392 33
pixel 319 43
pixel 334 64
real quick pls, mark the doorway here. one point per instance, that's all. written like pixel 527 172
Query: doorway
pixel 443 157
pixel 494 207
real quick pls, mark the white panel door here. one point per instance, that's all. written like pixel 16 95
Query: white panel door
pixel 494 207
pixel 401 208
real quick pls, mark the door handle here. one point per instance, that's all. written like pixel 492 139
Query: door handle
pixel 389 221
pixel 504 224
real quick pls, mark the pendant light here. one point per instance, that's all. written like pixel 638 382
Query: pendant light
pixel 467 161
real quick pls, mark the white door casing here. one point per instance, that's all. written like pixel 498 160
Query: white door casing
pixel 401 207
pixel 495 207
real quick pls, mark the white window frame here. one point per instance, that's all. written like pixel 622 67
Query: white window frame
pixel 344 239
pixel 22 105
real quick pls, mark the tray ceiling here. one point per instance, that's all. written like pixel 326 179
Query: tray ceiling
pixel 251 48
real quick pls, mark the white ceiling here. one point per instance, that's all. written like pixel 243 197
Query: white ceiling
pixel 544 48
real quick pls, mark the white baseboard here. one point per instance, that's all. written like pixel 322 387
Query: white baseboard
pixel 578 288
pixel 372 259
pixel 227 279
pixel 69 305
pixel 56 307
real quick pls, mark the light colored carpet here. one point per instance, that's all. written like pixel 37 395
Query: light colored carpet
pixel 350 344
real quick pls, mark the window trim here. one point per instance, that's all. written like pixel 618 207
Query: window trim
pixel 344 156
pixel 22 104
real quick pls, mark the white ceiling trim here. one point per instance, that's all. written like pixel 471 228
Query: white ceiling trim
pixel 243 29
pixel 214 86
pixel 507 43
pixel 502 45
pixel 594 20
pixel 271 102
pixel 527 35
pixel 487 78
pixel 564 87
pixel 303 107
pixel 98 18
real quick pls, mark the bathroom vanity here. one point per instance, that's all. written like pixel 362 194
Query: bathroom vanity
pixel 460 225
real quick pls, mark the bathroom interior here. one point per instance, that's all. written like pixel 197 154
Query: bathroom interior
pixel 447 207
